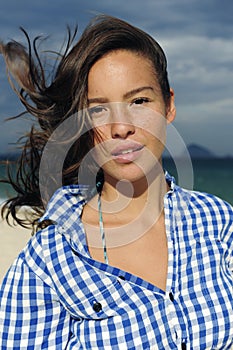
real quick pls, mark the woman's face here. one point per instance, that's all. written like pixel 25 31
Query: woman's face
pixel 129 115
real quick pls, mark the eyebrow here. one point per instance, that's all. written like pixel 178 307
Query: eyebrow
pixel 136 91
pixel 125 96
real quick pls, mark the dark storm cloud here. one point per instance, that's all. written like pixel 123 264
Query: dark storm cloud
pixel 196 35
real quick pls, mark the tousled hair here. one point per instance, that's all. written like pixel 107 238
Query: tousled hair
pixel 65 94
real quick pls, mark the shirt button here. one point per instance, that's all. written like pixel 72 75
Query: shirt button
pixel 122 278
pixel 171 296
pixel 97 307
pixel 183 346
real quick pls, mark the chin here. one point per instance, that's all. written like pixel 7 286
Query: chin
pixel 132 173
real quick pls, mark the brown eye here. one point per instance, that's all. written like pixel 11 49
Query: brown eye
pixel 96 111
pixel 140 101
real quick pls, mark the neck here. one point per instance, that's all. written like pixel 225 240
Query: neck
pixel 128 199
pixel 128 210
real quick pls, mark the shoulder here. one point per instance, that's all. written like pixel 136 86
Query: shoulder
pixel 33 260
pixel 65 201
pixel 58 238
pixel 208 204
pixel 207 212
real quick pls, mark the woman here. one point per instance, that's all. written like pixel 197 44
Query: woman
pixel 138 264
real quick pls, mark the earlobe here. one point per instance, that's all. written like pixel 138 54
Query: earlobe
pixel 171 113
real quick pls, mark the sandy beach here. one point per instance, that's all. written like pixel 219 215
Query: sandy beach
pixel 12 241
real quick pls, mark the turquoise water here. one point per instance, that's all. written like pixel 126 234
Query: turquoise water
pixel 214 176
pixel 5 190
pixel 210 175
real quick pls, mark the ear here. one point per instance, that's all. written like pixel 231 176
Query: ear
pixel 171 109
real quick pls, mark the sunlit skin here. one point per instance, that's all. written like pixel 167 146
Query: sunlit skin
pixel 126 78
pixel 129 79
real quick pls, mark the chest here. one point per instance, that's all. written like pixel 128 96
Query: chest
pixel 145 257
pixel 126 307
pixel 201 286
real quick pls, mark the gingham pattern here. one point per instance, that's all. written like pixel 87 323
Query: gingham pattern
pixel 56 297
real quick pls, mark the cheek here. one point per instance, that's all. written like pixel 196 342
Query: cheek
pixel 154 128
pixel 148 122
pixel 101 145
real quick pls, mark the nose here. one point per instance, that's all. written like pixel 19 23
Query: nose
pixel 121 130
pixel 121 125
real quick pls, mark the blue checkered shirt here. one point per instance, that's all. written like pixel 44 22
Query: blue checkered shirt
pixel 55 296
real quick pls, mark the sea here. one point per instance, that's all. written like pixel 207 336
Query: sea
pixel 210 175
pixel 214 175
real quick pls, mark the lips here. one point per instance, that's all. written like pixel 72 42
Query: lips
pixel 127 148
pixel 127 152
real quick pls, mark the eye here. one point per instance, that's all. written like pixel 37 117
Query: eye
pixel 140 100
pixel 97 111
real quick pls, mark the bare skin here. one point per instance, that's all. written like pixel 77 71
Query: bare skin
pixel 145 257
pixel 132 196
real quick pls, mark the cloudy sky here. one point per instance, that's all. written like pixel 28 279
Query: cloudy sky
pixel 197 36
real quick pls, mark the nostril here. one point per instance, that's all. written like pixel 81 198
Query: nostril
pixel 120 130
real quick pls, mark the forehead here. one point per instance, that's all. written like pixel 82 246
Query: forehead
pixel 127 56
pixel 122 68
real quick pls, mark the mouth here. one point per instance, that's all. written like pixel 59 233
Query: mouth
pixel 127 153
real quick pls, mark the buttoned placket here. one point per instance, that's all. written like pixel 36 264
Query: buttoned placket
pixel 179 325
pixel 178 330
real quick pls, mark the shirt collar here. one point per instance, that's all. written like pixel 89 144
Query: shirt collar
pixel 68 199
pixel 65 209
pixel 65 200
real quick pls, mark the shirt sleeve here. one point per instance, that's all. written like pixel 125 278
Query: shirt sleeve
pixel 227 232
pixel 31 316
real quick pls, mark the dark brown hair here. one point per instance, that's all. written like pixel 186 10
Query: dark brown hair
pixel 51 103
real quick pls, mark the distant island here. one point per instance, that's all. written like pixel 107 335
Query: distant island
pixel 199 152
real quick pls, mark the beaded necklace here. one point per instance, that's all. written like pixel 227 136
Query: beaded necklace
pixel 102 233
